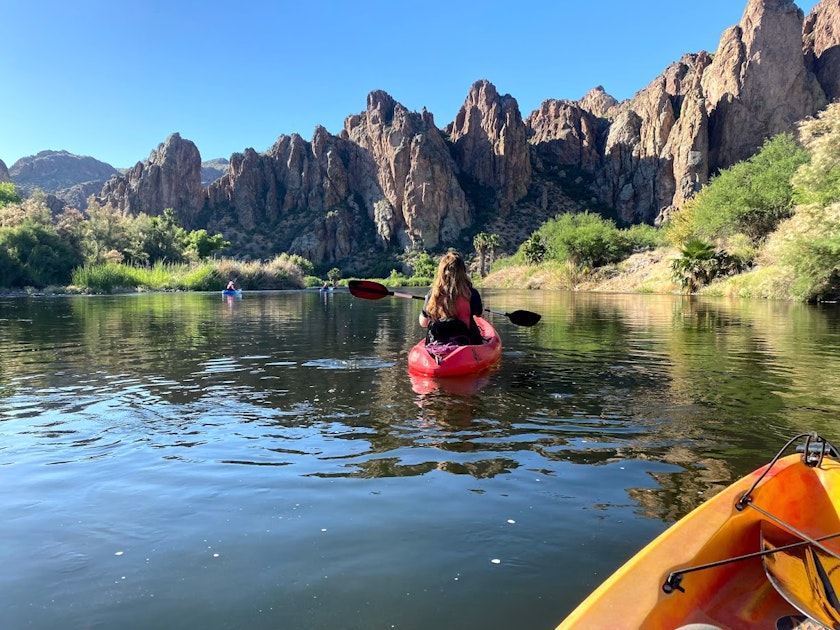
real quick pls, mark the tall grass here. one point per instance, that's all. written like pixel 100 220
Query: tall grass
pixel 279 273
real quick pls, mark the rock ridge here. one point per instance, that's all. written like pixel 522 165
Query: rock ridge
pixel 392 182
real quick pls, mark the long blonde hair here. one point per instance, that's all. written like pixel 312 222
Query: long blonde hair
pixel 451 281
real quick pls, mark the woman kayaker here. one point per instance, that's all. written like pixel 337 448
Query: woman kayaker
pixel 231 286
pixel 451 304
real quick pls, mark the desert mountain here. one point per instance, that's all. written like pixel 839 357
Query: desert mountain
pixel 393 180
pixel 70 178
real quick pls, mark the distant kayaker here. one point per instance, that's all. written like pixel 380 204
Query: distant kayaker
pixel 231 286
pixel 451 304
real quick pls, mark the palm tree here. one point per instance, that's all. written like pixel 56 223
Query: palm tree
pixel 480 244
pixel 695 266
pixel 493 242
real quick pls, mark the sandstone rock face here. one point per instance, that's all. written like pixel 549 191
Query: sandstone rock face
pixel 568 133
pixel 491 143
pixel 298 192
pixel 170 178
pixel 821 44
pixel 387 182
pixel 641 168
pixel 421 201
pixel 598 103
pixel 758 85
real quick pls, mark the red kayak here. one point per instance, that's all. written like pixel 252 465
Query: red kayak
pixel 459 359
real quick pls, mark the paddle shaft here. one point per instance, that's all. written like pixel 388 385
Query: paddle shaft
pixel 370 290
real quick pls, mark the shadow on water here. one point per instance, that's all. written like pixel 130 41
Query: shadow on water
pixel 277 440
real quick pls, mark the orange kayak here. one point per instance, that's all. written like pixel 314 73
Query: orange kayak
pixel 461 360
pixel 764 553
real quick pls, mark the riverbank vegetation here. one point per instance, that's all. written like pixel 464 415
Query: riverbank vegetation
pixel 768 227
pixel 106 250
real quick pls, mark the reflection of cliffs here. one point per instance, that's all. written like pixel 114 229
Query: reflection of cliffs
pixel 392 179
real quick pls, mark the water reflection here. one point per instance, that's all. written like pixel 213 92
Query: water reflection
pixel 614 416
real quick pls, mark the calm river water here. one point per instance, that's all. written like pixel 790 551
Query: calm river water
pixel 184 461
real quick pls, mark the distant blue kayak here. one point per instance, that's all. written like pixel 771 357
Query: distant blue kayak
pixel 234 292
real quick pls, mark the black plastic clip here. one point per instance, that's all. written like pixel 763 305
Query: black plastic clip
pixel 673 583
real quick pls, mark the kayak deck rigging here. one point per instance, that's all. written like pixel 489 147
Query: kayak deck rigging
pixel 761 553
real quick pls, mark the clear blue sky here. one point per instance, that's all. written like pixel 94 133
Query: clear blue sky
pixel 113 79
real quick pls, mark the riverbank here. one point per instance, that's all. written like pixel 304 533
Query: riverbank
pixel 645 272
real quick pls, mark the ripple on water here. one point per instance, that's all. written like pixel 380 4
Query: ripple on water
pixel 361 363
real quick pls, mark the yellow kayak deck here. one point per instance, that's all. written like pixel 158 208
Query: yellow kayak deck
pixel 709 567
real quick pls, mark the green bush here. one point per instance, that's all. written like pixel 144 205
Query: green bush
pixel 533 249
pixel 644 237
pixel 35 255
pixel 203 278
pixel 816 262
pixel 8 194
pixel 586 240
pixel 424 266
pixel 818 181
pixel 750 197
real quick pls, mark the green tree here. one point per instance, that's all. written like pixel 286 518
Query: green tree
pixel 750 197
pixel 8 194
pixel 200 245
pixel 699 263
pixel 493 241
pixel 584 239
pixel 158 239
pixel 818 181
pixel 107 235
pixel 31 210
pixel 425 266
pixel 71 227
pixel 334 275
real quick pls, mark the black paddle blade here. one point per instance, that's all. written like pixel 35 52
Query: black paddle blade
pixel 524 318
pixel 520 318
pixel 368 290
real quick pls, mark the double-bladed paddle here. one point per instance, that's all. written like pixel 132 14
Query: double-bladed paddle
pixel 369 290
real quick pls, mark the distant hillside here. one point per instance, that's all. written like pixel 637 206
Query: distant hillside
pixel 213 170
pixel 54 170
pixel 73 178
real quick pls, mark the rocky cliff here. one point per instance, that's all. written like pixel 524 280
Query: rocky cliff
pixel 170 178
pixel 420 200
pixel 490 144
pixel 4 172
pixel 393 181
pixel 704 113
pixel 821 44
